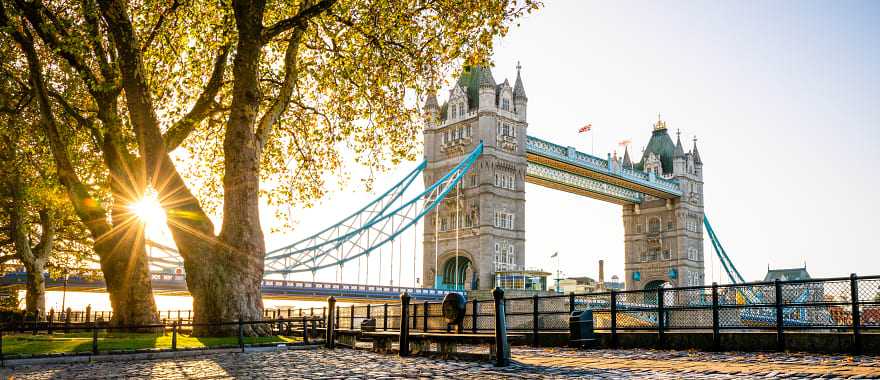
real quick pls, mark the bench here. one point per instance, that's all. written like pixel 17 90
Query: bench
pixel 421 342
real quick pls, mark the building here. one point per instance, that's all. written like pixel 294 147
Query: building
pixel 663 240
pixel 479 229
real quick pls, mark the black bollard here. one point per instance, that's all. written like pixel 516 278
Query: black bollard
pixel 404 324
pixel 502 350
pixel 331 322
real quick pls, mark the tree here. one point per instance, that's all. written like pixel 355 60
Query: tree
pixel 117 240
pixel 37 224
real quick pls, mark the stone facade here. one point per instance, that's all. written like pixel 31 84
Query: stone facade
pixel 490 204
pixel 663 240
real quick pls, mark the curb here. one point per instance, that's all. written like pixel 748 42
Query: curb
pixel 164 354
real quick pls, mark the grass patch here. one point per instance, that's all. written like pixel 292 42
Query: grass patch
pixel 27 344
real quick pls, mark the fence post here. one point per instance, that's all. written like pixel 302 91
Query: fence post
pixel 502 351
pixel 474 310
pixel 425 313
pixel 95 337
pixel 571 304
pixel 661 338
pixel 88 313
pixel 173 335
pixel 780 322
pixel 415 314
pixel 369 312
pixel 716 328
pixel 614 340
pixel 385 316
pixel 36 320
pixel 404 324
pixel 535 320
pixel 240 334
pixel 331 309
pixel 351 318
pixel 856 314
pixel 336 325
pixel 67 320
pixel 305 331
pixel 49 320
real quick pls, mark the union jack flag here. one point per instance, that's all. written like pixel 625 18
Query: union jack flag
pixel 586 128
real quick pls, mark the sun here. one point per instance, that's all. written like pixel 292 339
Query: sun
pixel 148 209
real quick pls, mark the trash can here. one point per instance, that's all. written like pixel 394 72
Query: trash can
pixel 368 325
pixel 580 327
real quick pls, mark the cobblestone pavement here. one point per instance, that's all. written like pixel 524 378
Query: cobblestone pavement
pixel 528 364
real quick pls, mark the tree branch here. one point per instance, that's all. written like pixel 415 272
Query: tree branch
pixel 158 25
pixel 296 21
pixel 178 132
pixel 283 98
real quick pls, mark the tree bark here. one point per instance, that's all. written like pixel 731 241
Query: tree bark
pixel 35 288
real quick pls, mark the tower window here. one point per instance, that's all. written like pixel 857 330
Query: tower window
pixel 503 220
pixel 505 104
pixel 654 225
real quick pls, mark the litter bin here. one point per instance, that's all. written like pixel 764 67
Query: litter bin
pixel 580 327
pixel 368 325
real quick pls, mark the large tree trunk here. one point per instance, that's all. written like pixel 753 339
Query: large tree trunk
pixel 35 288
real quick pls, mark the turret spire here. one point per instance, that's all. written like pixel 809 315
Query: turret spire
pixel 518 90
pixel 679 150
pixel 431 102
pixel 696 153
pixel 627 163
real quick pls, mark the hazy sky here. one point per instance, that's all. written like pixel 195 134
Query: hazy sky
pixel 784 98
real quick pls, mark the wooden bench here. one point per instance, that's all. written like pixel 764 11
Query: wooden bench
pixel 422 341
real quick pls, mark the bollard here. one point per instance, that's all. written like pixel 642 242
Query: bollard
pixel 535 321
pixel 856 314
pixel 716 325
pixel 780 323
pixel 502 350
pixel 661 336
pixel 305 331
pixel 36 320
pixel 173 335
pixel 404 324
pixel 385 316
pixel 474 310
pixel 614 340
pixel 240 334
pixel 331 308
pixel 425 313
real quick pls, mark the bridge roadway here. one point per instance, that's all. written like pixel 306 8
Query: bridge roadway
pixel 175 284
pixel 567 169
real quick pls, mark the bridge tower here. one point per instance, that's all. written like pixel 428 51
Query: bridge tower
pixel 663 240
pixel 485 224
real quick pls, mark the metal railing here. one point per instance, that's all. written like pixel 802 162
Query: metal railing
pixel 844 305
pixel 99 336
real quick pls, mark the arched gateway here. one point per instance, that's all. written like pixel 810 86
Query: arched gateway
pixel 661 195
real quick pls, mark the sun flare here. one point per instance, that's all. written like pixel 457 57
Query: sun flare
pixel 148 209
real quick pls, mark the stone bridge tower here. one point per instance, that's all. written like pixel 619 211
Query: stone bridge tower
pixel 489 229
pixel 664 238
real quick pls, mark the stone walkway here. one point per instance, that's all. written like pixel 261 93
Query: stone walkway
pixel 529 364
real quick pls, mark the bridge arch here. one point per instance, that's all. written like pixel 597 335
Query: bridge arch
pixel 457 273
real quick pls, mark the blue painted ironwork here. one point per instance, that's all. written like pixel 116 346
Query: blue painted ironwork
pixel 572 156
pixel 322 250
pixel 580 182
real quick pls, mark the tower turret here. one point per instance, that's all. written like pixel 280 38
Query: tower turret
pixel 520 100
pixel 487 89
pixel 679 161
pixel 432 110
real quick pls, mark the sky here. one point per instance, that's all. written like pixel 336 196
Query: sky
pixel 783 97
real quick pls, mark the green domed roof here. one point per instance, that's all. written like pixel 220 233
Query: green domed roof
pixel 661 145
pixel 471 78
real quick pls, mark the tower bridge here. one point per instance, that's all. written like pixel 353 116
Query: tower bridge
pixel 482 232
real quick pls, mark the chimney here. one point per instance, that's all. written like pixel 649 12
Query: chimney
pixel 601 274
